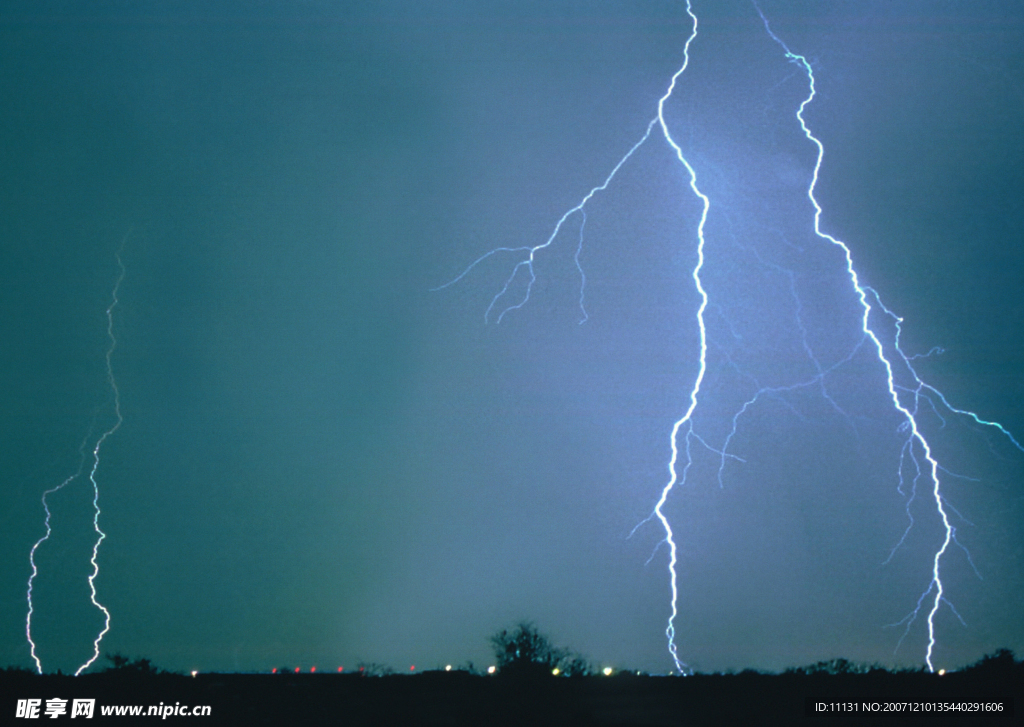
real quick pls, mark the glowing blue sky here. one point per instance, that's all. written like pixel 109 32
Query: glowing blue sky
pixel 324 462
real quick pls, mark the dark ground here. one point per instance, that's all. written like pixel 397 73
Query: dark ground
pixel 461 698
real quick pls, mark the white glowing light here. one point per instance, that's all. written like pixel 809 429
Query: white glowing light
pixel 895 364
pixel 100 535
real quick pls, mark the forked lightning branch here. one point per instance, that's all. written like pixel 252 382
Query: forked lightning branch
pixel 905 390
pixel 95 492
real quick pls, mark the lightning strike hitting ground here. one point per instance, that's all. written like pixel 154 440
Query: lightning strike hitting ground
pixel 906 390
pixel 527 264
pixel 915 387
pixel 100 535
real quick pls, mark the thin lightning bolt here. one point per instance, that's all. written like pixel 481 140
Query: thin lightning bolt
pixel 100 535
pixel 525 267
pixel 687 418
pixel 32 554
pixel 531 252
pixel 917 388
pixel 916 447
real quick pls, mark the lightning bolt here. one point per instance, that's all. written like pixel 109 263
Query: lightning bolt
pixel 906 390
pixel 100 535
pixel 32 553
pixel 525 267
pixel 916 443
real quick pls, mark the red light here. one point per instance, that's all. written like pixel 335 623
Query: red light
pixel 412 668
pixel 312 669
pixel 296 670
pixel 274 670
pixel 361 668
pixel 341 669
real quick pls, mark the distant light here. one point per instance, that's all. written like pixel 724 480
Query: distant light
pixel 341 669
pixel 448 667
pixel 941 672
pixel 491 669
pixel 312 669
pixel 194 672
pixel 556 671
pixel 412 668
pixel 296 670
pixel 274 670
pixel 607 671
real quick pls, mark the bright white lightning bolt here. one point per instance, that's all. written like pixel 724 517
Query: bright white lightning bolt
pixel 527 266
pixel 32 555
pixel 916 446
pixel 100 535
pixel 917 387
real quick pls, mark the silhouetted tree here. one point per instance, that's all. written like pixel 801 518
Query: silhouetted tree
pixel 121 663
pixel 373 669
pixel 1001 660
pixel 574 665
pixel 524 651
pixel 833 666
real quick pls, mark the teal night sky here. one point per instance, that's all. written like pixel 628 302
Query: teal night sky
pixel 324 461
